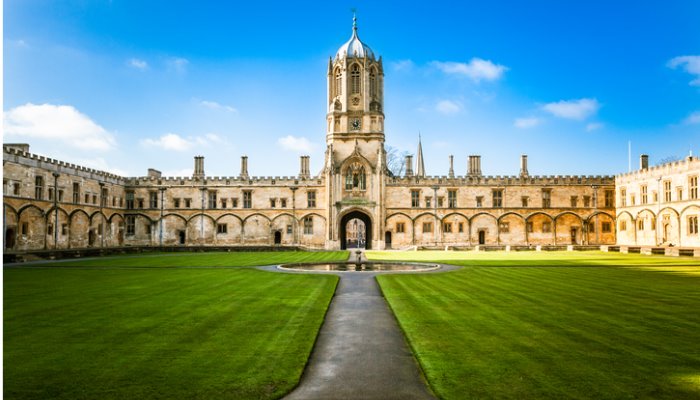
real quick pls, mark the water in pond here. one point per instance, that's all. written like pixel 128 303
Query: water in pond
pixel 361 267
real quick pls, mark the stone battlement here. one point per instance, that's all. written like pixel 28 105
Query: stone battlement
pixel 225 181
pixel 498 180
pixel 34 160
pixel 17 155
pixel 660 169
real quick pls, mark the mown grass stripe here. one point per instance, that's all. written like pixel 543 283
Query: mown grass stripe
pixel 160 333
pixel 575 329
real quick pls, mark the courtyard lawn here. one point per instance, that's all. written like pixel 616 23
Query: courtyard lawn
pixel 215 259
pixel 170 333
pixel 552 325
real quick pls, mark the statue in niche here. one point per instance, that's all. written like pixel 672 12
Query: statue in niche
pixel 355 178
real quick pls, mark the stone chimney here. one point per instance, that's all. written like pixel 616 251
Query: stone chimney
pixel 409 165
pixel 198 167
pixel 22 147
pixel 244 167
pixel 304 170
pixel 474 166
pixel 523 165
pixel 153 173
pixel 643 161
pixel 451 174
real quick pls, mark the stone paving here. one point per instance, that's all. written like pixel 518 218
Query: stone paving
pixel 361 352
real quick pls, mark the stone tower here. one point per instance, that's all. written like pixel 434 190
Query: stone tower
pixel 355 162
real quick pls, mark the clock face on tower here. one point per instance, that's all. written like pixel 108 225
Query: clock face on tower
pixel 356 124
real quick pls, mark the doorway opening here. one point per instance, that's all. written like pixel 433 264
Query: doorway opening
pixel 387 240
pixel 181 236
pixel 10 238
pixel 278 237
pixel 355 231
pixel 482 236
pixel 91 237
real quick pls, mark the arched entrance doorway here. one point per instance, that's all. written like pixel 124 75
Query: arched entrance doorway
pixel 356 226
pixel 10 238
pixel 91 237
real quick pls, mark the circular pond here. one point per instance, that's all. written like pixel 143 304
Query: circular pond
pixel 359 267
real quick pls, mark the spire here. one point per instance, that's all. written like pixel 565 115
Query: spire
pixel 420 168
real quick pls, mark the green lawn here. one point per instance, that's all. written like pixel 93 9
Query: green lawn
pixel 171 333
pixel 552 325
pixel 233 259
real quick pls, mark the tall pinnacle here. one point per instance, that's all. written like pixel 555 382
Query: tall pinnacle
pixel 354 22
pixel 420 168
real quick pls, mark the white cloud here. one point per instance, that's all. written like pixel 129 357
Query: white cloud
pixel 138 64
pixel 217 106
pixel 298 144
pixel 448 107
pixel 573 109
pixel 402 65
pixel 175 142
pixel 19 43
pixel 476 69
pixel 525 123
pixel 593 126
pixel 177 64
pixel 100 164
pixel 691 65
pixel 57 122
pixel 169 141
pixel 693 118
pixel 214 138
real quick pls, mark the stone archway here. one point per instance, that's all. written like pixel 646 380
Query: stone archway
pixel 343 228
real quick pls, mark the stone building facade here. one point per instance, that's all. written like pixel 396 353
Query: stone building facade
pixel 659 205
pixel 52 204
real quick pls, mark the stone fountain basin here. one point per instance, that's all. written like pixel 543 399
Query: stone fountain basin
pixel 360 267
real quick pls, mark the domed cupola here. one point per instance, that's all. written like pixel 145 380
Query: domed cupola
pixel 354 48
pixel 355 92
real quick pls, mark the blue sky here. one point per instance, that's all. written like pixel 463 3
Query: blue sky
pixel 129 85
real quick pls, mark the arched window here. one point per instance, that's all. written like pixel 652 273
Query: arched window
pixel 338 82
pixel 373 82
pixel 355 177
pixel 355 79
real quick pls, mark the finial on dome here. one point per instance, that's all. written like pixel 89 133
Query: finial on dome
pixel 354 19
pixel 354 48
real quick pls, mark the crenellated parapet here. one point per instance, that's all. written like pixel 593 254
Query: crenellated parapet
pixel 499 180
pixel 11 153
pixel 225 181
pixel 686 164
